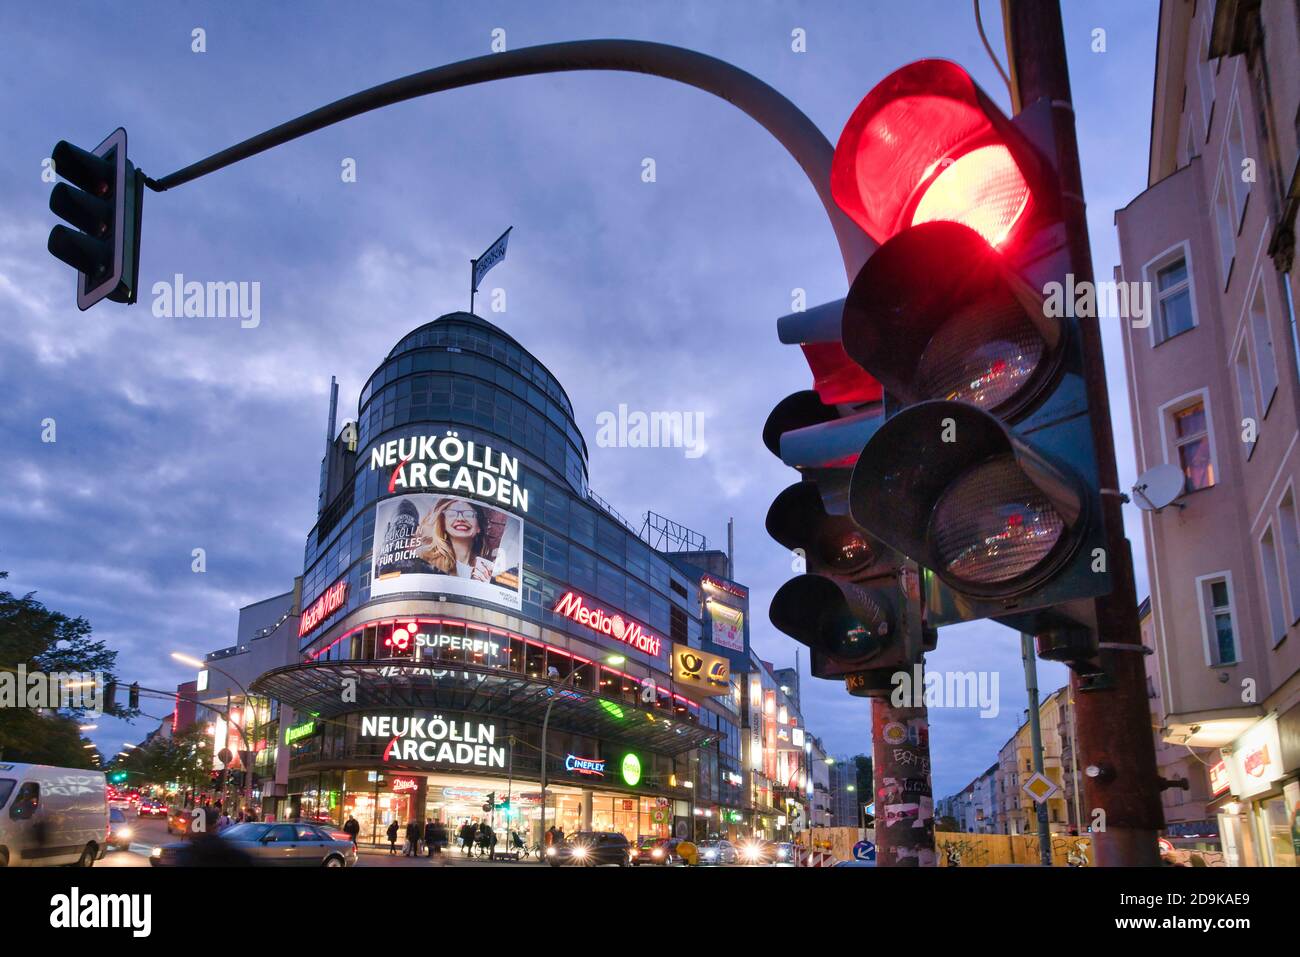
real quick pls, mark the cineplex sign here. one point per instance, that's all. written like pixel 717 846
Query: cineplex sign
pixel 449 463
pixel 434 739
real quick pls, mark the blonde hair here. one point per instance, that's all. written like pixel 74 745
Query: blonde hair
pixel 433 528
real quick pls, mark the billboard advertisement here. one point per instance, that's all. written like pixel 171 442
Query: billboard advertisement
pixel 728 626
pixel 447 545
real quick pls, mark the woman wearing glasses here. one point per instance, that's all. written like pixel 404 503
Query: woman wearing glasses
pixel 454 539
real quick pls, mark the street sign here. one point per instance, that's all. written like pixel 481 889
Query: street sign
pixel 659 815
pixel 225 756
pixel 1039 787
pixel 864 851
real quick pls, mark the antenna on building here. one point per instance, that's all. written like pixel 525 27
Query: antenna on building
pixel 731 550
pixel 1158 487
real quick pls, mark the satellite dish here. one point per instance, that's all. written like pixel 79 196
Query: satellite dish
pixel 1158 487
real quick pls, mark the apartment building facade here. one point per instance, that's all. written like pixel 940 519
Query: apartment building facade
pixel 1214 387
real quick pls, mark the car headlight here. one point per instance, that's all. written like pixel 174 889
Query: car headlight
pixel 156 852
pixel 657 852
pixel 125 834
pixel 550 852
pixel 579 852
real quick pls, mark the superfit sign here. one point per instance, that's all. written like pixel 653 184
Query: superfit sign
pixel 449 463
pixel 330 601
pixel 575 607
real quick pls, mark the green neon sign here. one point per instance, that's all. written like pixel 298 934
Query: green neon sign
pixel 631 770
pixel 299 731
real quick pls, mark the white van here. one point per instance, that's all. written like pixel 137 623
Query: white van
pixel 51 815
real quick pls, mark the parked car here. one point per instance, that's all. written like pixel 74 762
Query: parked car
pixel 717 852
pixel 657 850
pixel 52 815
pixel 591 848
pixel 281 845
pixel 151 808
pixel 119 829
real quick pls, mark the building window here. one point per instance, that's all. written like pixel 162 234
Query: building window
pixel 1246 395
pixel 1205 76
pixel 1272 584
pixel 1216 611
pixel 1227 228
pixel 1236 161
pixel 1289 533
pixel 1264 354
pixel 1174 299
pixel 1192 442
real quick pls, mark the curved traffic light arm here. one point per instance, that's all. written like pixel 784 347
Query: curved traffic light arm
pixel 776 114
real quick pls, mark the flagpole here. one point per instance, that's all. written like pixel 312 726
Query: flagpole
pixel 473 265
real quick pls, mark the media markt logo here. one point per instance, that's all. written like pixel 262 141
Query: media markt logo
pixel 631 770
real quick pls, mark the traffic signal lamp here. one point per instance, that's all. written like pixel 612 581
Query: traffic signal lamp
pixel 110 694
pixel 133 696
pixel 983 471
pixel 102 199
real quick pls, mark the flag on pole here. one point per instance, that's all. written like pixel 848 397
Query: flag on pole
pixel 494 254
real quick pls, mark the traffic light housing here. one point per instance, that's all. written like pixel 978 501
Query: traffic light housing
pixel 103 199
pixel 133 696
pixel 984 470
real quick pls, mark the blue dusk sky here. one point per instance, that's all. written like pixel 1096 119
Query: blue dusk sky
pixel 175 433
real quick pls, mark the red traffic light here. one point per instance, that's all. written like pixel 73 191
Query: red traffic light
pixel 928 145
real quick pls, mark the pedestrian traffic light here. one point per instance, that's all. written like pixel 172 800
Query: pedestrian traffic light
pixel 984 470
pixel 104 203
pixel 133 696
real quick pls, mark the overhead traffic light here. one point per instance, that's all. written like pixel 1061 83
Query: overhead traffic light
pixel 133 696
pixel 104 203
pixel 984 470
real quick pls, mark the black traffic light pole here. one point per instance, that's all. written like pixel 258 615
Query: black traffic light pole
pixel 1114 723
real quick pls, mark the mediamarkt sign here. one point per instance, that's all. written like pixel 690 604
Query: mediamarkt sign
pixel 572 606
pixel 433 738
pixel 450 463
pixel 330 601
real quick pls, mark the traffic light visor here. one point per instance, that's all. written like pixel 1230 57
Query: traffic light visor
pixel 927 144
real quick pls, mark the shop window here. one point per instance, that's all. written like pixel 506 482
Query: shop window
pixel 536 660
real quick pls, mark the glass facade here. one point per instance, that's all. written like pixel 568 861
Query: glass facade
pixel 461 373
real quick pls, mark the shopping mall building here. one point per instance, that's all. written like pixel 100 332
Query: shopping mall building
pixel 465 596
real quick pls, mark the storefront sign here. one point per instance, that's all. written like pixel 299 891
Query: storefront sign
pixel 1219 779
pixel 700 671
pixel 593 767
pixel 631 770
pixel 572 606
pixel 1254 764
pixel 709 581
pixel 330 601
pixel 433 739
pixel 400 785
pixel 299 731
pixel 451 464
pixel 475 646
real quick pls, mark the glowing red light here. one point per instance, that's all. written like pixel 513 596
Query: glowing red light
pixel 983 189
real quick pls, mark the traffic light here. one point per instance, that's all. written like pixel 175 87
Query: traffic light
pixel 491 801
pixel 104 203
pixel 117 777
pixel 133 696
pixel 110 694
pixel 983 471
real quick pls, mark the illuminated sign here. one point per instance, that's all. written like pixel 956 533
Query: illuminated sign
pixel 451 464
pixel 476 646
pixel 299 731
pixel 594 767
pixel 698 670
pixel 631 770
pixel 400 785
pixel 434 739
pixel 1219 781
pixel 572 606
pixel 708 581
pixel 330 601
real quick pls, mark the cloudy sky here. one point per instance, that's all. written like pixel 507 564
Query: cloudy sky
pixel 175 434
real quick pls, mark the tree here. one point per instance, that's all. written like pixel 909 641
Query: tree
pixel 45 641
pixel 185 757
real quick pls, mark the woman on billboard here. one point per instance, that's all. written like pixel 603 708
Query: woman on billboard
pixel 456 539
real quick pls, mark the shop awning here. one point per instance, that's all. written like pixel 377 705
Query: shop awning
pixel 316 687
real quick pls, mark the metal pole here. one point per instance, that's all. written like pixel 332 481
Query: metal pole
pixel 900 740
pixel 473 264
pixel 546 721
pixel 1036 740
pixel 1074 763
pixel 1114 721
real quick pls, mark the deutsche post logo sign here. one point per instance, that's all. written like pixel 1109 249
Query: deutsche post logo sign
pixel 698 670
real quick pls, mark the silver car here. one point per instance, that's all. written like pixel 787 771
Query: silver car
pixel 286 845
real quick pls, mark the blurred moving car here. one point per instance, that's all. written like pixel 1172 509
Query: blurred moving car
pixel 151 808
pixel 178 821
pixel 591 848
pixel 717 852
pixel 780 853
pixel 51 815
pixel 657 850
pixel 119 829
pixel 286 845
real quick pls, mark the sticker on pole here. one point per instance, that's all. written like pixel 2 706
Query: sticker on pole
pixel 864 851
pixel 1039 787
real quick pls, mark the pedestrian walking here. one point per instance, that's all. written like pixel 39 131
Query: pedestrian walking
pixel 439 841
pixel 467 831
pixel 412 838
pixel 428 837
pixel 351 828
pixel 392 837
